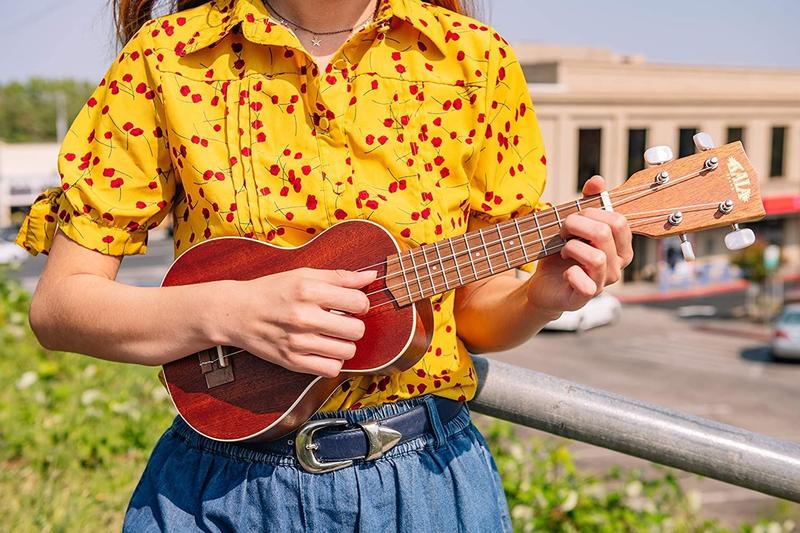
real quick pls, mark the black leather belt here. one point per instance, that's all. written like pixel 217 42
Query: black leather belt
pixel 331 443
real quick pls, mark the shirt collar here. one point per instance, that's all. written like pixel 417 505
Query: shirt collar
pixel 258 27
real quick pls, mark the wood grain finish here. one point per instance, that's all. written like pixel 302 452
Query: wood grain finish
pixel 697 197
pixel 264 396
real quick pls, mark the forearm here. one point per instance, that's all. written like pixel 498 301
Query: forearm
pixel 92 315
pixel 498 315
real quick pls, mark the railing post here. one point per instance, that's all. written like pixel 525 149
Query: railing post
pixel 637 428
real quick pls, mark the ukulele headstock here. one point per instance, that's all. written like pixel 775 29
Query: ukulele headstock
pixel 716 187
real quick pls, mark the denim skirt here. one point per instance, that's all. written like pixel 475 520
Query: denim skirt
pixel 445 480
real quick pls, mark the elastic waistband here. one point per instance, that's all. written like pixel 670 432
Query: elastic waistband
pixel 281 451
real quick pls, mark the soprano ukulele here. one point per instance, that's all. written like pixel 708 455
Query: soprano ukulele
pixel 228 394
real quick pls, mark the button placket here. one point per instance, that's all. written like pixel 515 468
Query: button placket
pixel 330 103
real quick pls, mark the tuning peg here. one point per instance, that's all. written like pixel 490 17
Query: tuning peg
pixel 703 142
pixel 686 248
pixel 658 155
pixel 739 239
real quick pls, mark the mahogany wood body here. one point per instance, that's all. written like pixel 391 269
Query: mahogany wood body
pixel 266 401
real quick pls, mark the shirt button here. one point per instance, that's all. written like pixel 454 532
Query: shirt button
pixel 324 123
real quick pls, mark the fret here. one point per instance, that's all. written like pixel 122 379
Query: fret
pixel 486 251
pixel 455 262
pixel 539 229
pixel 441 265
pixel 469 254
pixel 416 272
pixel 503 244
pixel 521 241
pixel 405 277
pixel 558 217
pixel 578 205
pixel 428 266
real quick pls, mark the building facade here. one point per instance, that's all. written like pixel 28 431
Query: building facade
pixel 25 171
pixel 599 111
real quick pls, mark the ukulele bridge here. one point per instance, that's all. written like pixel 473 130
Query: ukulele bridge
pixel 216 366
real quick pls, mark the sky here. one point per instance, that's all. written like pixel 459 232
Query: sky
pixel 73 38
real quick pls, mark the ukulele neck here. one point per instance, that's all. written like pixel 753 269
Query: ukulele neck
pixel 435 268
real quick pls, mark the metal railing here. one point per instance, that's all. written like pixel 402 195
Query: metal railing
pixel 637 428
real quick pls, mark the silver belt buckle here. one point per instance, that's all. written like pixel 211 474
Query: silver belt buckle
pixel 381 439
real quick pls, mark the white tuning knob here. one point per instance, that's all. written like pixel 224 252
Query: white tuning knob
pixel 703 142
pixel 686 248
pixel 658 155
pixel 739 239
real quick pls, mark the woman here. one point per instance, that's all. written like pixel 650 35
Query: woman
pixel 274 120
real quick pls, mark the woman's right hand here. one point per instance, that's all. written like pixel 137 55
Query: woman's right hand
pixel 286 318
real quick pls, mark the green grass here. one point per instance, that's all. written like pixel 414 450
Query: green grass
pixel 75 434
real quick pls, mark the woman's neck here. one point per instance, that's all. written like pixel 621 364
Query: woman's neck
pixel 329 15
pixel 322 17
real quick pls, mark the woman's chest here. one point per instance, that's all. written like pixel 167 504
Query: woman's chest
pixel 282 154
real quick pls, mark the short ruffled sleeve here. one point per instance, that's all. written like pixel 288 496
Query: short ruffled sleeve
pixel 116 175
pixel 510 173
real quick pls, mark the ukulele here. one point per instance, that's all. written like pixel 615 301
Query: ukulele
pixel 227 394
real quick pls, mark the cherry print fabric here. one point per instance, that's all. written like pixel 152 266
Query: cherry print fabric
pixel 217 117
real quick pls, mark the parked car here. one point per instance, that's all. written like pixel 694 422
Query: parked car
pixel 10 252
pixel 601 310
pixel 786 333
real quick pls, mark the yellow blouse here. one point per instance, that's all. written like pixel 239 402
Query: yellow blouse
pixel 217 114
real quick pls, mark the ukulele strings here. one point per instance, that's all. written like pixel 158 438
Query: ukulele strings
pixel 513 248
pixel 547 250
pixel 642 222
pixel 625 196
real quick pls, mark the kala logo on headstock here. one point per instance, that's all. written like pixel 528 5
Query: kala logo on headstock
pixel 739 178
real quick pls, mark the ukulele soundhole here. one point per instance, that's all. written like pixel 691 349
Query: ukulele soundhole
pixel 216 367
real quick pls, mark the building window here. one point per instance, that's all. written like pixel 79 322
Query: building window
pixel 778 152
pixel 589 148
pixel 637 144
pixel 686 141
pixel 735 134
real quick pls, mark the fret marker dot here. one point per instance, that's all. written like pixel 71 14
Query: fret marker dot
pixel 477 254
pixel 511 243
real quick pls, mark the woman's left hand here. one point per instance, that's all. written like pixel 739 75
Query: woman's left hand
pixel 598 246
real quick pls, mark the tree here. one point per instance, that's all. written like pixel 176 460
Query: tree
pixel 28 109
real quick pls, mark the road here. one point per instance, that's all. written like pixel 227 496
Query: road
pixel 142 270
pixel 651 355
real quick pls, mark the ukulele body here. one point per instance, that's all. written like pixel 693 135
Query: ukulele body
pixel 250 399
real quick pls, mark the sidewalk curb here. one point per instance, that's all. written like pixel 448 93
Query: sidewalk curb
pixel 731 331
pixel 694 292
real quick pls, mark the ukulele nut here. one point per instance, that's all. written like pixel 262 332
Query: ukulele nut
pixel 726 207
pixel 662 177
pixel 711 163
pixel 675 218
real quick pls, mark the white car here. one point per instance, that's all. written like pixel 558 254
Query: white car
pixel 786 333
pixel 10 252
pixel 601 310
